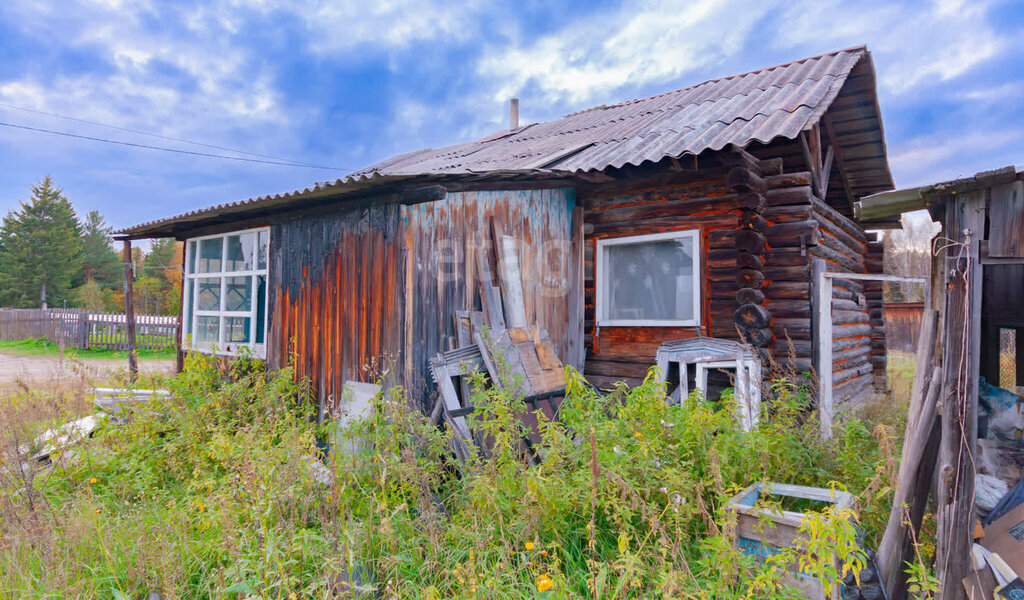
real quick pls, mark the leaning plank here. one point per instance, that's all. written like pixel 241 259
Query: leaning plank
pixel 917 435
pixel 512 284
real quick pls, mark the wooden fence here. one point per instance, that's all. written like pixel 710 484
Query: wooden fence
pixel 76 328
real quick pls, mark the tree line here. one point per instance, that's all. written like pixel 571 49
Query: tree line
pixel 49 257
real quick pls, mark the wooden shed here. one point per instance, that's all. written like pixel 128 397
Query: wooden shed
pixel 976 291
pixel 703 211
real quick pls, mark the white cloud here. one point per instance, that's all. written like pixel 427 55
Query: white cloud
pixel 915 42
pixel 655 40
pixel 335 26
pixel 951 155
pixel 176 80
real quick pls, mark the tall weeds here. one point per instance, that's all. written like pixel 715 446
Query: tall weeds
pixel 217 492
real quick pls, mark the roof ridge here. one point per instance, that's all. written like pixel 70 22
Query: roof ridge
pixel 862 48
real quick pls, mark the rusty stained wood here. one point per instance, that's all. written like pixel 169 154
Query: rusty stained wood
pixel 449 244
pixel 336 297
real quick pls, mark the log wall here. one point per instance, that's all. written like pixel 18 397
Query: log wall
pixel 706 204
pixel 843 246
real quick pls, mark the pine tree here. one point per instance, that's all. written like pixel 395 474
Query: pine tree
pixel 99 261
pixel 40 249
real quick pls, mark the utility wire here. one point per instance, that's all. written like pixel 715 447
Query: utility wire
pixel 175 150
pixel 140 132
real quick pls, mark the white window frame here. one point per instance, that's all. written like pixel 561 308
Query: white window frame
pixel 192 277
pixel 601 279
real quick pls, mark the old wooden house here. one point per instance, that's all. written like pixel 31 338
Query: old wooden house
pixel 703 211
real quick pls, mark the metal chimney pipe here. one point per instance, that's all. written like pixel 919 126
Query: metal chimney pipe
pixel 513 113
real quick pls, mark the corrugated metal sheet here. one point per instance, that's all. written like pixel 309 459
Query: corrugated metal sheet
pixel 760 106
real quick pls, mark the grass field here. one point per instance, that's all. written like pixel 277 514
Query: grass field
pixel 43 347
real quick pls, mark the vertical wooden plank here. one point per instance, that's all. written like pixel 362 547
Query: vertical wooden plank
pixel 577 352
pixel 129 310
pixel 1006 227
pixel 960 353
pixel 823 344
pixel 512 284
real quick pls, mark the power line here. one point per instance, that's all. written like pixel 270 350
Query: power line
pixel 175 150
pixel 140 132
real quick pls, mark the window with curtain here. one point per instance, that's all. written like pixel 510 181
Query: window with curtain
pixel 649 280
pixel 225 294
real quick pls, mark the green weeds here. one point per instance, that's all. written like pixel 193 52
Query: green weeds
pixel 217 493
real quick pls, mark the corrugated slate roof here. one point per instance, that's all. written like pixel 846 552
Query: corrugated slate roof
pixel 760 106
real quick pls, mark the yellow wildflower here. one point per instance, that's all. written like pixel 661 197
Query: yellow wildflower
pixel 638 435
pixel 529 545
pixel 93 480
pixel 293 596
pixel 544 583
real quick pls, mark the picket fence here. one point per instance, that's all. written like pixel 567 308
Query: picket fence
pixel 75 328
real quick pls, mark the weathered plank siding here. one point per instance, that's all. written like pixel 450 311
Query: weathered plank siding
pixel 379 286
pixel 445 239
pixel 903 325
pixel 336 295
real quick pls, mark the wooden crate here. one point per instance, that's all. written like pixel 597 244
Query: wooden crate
pixel 758 540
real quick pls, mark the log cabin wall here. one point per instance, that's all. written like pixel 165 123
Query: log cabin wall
pixel 843 246
pixel 336 295
pixel 874 298
pixel 760 232
pixel 705 203
pixel 449 240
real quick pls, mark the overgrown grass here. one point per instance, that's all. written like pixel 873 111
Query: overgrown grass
pixel 214 493
pixel 44 347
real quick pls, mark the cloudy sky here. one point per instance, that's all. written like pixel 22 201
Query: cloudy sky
pixel 342 84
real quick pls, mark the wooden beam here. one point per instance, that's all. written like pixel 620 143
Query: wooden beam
pixel 965 219
pixel 826 170
pixel 843 175
pixel 823 343
pixel 129 311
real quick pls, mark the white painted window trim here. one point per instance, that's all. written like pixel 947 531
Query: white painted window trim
pixel 192 278
pixel 601 280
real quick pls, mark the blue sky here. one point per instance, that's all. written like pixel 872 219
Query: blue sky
pixel 345 84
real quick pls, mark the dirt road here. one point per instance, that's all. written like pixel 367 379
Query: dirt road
pixel 51 369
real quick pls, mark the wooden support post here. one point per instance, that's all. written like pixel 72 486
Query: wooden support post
pixel 823 343
pixel 129 311
pixel 965 220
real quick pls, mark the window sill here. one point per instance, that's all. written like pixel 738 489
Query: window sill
pixel 641 323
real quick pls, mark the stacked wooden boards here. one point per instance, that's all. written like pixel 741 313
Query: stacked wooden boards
pixel 507 352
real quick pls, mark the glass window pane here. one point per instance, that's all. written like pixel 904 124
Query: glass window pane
pixel 261 306
pixel 238 293
pixel 210 252
pixel 192 256
pixel 207 329
pixel 241 252
pixel 209 293
pixel 650 280
pixel 263 249
pixel 236 329
pixel 186 309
